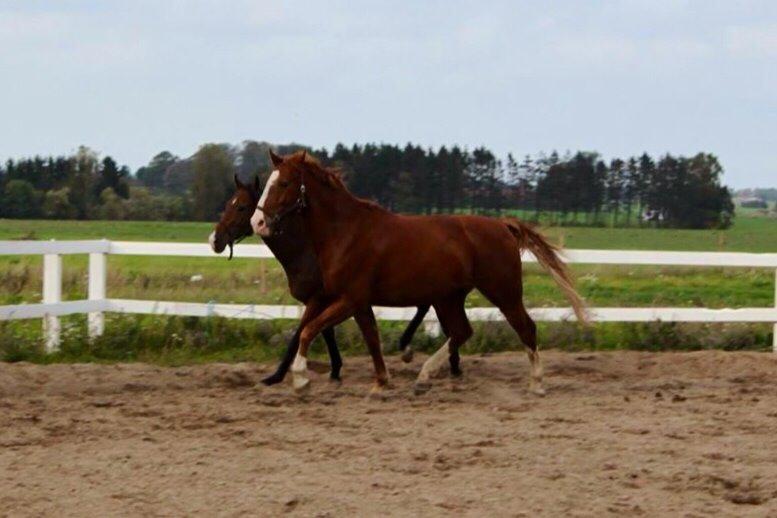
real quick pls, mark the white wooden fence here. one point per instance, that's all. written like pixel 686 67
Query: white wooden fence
pixel 98 303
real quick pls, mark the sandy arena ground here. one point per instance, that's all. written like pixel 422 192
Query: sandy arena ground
pixel 673 434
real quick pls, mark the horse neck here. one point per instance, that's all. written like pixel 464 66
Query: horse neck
pixel 330 215
pixel 291 242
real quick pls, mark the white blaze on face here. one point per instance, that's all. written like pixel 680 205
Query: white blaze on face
pixel 212 240
pixel 257 220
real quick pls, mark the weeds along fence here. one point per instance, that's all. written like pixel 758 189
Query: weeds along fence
pixel 98 303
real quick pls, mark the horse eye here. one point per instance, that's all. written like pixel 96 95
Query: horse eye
pixel 283 183
pixel 242 208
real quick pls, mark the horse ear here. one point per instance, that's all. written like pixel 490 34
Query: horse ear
pixel 237 181
pixel 304 155
pixel 276 159
pixel 256 183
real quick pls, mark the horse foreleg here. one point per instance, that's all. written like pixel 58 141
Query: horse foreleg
pixel 288 357
pixel 329 316
pixel 311 310
pixel 365 318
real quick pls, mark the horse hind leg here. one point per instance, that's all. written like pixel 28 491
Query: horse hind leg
pixel 523 324
pixel 404 341
pixel 335 360
pixel 453 320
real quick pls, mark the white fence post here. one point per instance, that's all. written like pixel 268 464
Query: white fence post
pixel 97 280
pixel 774 329
pixel 52 294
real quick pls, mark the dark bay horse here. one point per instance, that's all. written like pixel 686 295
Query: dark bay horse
pixel 369 256
pixel 294 250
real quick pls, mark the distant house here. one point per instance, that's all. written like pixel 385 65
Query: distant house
pixel 653 215
pixel 751 202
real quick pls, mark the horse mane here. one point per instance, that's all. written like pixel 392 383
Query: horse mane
pixel 328 176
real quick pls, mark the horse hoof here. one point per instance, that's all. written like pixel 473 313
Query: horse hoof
pixel 421 387
pixel 336 380
pixel 272 379
pixel 377 393
pixel 301 385
pixel 457 374
pixel 538 391
pixel 407 355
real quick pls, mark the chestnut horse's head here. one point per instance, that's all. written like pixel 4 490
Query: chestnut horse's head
pixel 235 223
pixel 283 194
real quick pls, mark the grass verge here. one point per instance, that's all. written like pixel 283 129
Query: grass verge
pixel 187 340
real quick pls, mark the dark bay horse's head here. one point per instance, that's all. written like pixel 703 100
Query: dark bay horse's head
pixel 283 194
pixel 235 223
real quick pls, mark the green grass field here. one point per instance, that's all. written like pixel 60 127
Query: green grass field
pixel 262 281
pixel 748 234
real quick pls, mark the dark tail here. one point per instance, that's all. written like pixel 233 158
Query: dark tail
pixel 548 256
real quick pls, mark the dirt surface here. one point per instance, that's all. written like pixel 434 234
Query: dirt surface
pixel 675 434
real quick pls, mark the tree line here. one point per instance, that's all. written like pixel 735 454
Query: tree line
pixel 570 189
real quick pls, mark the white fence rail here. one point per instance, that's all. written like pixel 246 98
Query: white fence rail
pixel 98 303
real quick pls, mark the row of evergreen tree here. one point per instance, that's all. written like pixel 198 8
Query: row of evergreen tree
pixel 579 188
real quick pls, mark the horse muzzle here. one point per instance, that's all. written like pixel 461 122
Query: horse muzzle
pixel 260 225
pixel 217 242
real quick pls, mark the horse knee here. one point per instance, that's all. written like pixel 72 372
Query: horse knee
pixel 305 337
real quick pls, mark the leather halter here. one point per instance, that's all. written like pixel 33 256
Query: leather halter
pixel 299 204
pixel 233 240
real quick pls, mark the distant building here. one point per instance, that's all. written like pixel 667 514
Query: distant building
pixel 653 215
pixel 751 202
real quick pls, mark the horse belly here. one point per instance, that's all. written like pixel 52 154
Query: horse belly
pixel 412 284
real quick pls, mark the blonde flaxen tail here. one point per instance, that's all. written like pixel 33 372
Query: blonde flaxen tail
pixel 548 256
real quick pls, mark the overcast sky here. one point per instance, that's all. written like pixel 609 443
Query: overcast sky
pixel 132 78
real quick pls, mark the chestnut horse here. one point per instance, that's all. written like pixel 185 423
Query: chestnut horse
pixel 369 256
pixel 294 251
